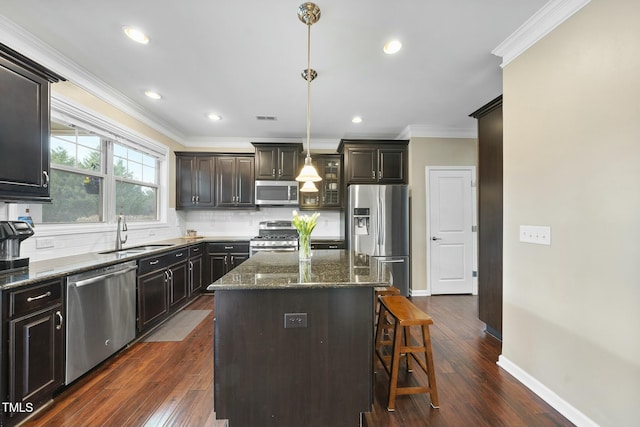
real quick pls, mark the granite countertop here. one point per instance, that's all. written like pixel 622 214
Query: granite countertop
pixel 60 267
pixel 282 270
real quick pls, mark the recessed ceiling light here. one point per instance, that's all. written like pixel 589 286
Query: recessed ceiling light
pixel 136 34
pixel 392 46
pixel 153 95
pixel 356 119
pixel 215 117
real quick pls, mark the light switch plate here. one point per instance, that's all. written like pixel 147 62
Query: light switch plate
pixel 538 234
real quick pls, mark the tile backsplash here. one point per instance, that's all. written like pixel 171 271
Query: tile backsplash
pixel 244 223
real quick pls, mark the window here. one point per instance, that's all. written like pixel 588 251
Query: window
pixel 96 175
pixel 136 175
pixel 77 176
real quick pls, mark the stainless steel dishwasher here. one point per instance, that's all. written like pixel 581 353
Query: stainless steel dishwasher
pixel 101 316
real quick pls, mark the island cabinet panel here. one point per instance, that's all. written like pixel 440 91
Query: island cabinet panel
pixel 223 257
pixel 318 375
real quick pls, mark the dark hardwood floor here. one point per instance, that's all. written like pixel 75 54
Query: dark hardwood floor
pixel 170 383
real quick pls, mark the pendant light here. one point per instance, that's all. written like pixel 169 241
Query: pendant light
pixel 309 14
pixel 309 187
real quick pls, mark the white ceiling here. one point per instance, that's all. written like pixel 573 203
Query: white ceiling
pixel 243 59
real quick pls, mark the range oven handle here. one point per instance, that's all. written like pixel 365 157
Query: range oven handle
pixel 102 277
pixel 263 249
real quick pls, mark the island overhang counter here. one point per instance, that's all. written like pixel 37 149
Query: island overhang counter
pixel 293 341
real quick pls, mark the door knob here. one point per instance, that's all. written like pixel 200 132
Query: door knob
pixel 434 238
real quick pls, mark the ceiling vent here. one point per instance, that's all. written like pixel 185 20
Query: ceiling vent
pixel 267 118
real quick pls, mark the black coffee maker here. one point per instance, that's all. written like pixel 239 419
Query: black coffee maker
pixel 12 233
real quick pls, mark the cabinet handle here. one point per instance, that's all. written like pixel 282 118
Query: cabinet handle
pixel 179 254
pixel 333 246
pixel 45 184
pixel 166 275
pixel 196 249
pixel 193 199
pixel 273 172
pixel 170 275
pixel 232 260
pixel 373 174
pixel 279 171
pixel 154 262
pixel 190 265
pixel 228 247
pixel 60 320
pixel 197 199
pixel 380 174
pixel 47 294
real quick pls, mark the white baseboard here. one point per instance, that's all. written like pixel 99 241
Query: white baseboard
pixel 558 403
pixel 420 293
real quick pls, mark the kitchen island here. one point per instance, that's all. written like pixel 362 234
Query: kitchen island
pixel 293 341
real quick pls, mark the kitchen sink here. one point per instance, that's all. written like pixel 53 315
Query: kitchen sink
pixel 134 250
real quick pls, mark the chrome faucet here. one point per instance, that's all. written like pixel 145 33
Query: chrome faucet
pixel 122 224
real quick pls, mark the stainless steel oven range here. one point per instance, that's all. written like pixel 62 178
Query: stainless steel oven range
pixel 274 236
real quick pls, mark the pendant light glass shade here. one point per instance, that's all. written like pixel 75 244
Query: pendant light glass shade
pixel 309 187
pixel 308 172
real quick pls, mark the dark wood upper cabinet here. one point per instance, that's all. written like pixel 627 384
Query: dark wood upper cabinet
pixel 276 161
pixel 24 127
pixel 375 161
pixel 329 195
pixel 195 174
pixel 490 215
pixel 235 182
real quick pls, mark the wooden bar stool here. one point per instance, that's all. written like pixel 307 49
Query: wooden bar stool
pixel 405 314
pixel 383 291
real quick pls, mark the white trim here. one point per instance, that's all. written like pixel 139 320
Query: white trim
pixel 546 394
pixel 420 293
pixel 27 44
pixel 426 131
pixel 552 14
pixel 472 170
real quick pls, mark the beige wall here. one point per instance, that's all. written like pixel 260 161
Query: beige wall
pixel 425 152
pixel 81 97
pixel 572 162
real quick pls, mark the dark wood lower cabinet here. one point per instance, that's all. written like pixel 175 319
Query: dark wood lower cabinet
pixel 223 257
pixel 34 348
pixel 268 375
pixel 153 301
pixel 163 286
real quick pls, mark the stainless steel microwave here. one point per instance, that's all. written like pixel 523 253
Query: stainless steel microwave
pixel 277 193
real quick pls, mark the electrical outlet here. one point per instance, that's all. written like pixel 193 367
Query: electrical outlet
pixel 295 320
pixel 540 235
pixel 44 242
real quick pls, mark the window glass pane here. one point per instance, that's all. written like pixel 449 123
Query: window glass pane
pixel 62 154
pixel 149 175
pixel 120 150
pixel 135 165
pixel 77 198
pixel 120 167
pixel 88 159
pixel 137 202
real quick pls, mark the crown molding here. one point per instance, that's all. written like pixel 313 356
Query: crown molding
pixel 30 46
pixel 425 131
pixel 552 14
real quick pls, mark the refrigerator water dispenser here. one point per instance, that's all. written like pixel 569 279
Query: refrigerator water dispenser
pixel 361 221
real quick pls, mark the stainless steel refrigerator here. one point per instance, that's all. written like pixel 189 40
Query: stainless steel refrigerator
pixel 378 226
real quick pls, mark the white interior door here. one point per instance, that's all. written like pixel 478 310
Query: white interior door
pixel 449 231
